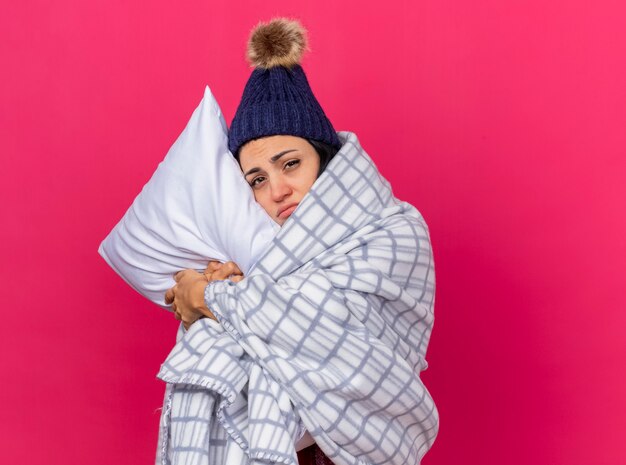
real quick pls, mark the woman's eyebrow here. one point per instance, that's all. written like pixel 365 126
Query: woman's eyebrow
pixel 252 171
pixel 274 159
pixel 278 155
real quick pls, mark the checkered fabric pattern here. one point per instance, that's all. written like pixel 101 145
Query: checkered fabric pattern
pixel 328 333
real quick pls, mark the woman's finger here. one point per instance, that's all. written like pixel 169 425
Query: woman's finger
pixel 236 269
pixel 236 278
pixel 169 296
pixel 212 266
pixel 227 269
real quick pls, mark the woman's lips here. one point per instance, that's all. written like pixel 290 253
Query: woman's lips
pixel 287 211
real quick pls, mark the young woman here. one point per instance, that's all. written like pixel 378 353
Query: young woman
pixel 319 349
pixel 281 170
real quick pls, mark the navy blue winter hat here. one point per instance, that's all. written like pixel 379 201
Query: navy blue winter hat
pixel 277 98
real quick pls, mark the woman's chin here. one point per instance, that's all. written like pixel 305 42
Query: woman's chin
pixel 280 221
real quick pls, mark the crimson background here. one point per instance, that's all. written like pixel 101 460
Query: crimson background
pixel 503 122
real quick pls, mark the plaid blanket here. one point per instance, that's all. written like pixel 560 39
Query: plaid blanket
pixel 328 333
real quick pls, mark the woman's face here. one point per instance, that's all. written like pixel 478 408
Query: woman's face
pixel 280 170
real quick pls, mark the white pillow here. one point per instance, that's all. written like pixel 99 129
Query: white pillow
pixel 196 207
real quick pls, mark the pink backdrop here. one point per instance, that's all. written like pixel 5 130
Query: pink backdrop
pixel 503 122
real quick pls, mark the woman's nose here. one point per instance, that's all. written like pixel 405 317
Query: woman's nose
pixel 280 189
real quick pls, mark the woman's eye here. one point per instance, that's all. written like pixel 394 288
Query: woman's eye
pixel 257 181
pixel 291 163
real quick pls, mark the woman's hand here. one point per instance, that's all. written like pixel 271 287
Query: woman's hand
pixel 187 296
pixel 216 271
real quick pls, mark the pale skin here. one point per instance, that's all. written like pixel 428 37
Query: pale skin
pixel 280 170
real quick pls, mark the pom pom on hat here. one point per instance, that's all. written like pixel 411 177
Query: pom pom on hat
pixel 277 98
pixel 281 42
